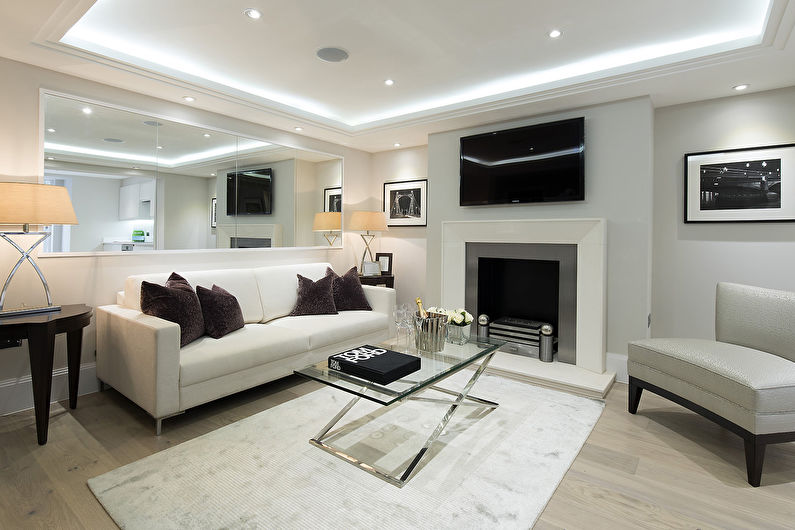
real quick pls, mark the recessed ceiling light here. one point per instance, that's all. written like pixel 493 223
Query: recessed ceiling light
pixel 160 147
pixel 252 13
pixel 389 82
pixel 740 88
pixel 555 33
pixel 212 174
pixel 299 128
pixel 189 99
pixel 397 144
pixel 206 135
pixel 50 158
pixel 136 167
pixel 332 55
pixel 87 110
pixel 50 130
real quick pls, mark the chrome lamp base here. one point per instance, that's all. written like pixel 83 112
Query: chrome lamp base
pixel 26 255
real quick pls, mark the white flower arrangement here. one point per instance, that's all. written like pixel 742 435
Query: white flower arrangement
pixel 457 317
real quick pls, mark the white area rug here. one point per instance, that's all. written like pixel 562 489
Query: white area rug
pixel 488 469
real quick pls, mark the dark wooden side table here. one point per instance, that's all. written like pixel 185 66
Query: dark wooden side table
pixel 40 330
pixel 381 279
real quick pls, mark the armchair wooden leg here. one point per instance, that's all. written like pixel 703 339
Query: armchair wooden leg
pixel 634 396
pixel 754 457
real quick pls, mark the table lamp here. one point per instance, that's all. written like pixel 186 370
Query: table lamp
pixel 31 204
pixel 329 222
pixel 367 222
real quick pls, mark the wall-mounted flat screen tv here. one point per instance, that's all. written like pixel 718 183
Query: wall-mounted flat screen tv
pixel 539 163
pixel 249 192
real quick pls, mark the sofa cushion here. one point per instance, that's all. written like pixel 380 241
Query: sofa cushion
pixel 323 330
pixel 348 292
pixel 314 298
pixel 252 345
pixel 221 311
pixel 753 379
pixel 278 286
pixel 176 302
pixel 239 282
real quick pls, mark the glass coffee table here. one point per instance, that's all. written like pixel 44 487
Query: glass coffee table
pixel 435 367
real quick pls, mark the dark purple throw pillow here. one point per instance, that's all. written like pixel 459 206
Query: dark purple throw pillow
pixel 221 311
pixel 314 298
pixel 175 302
pixel 348 292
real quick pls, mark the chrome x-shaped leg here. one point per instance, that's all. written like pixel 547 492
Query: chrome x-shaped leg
pixel 462 398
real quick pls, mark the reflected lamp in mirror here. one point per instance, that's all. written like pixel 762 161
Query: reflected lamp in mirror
pixel 328 222
pixel 368 222
pixel 31 204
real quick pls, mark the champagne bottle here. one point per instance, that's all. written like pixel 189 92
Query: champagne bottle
pixel 423 313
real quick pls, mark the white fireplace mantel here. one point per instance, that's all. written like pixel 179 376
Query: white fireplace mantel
pixel 589 235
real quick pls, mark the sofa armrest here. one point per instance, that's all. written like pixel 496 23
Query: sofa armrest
pixel 382 300
pixel 138 355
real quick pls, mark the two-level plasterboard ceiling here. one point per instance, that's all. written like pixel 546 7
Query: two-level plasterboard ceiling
pixel 447 59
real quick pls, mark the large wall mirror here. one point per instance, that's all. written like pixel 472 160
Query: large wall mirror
pixel 141 183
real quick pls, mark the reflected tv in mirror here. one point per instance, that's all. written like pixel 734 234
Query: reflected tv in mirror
pixel 539 163
pixel 253 189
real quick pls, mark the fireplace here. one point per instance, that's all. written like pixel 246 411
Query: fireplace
pixel 587 236
pixel 529 281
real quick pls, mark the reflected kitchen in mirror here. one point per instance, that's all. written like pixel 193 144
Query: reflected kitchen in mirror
pixel 142 183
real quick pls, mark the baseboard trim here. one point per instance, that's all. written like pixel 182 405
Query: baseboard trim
pixel 617 363
pixel 17 394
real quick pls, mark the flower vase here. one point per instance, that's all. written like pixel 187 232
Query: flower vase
pixel 458 334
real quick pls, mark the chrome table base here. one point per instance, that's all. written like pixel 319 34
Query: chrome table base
pixel 461 398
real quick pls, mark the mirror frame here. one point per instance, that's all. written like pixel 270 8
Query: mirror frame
pixel 44 92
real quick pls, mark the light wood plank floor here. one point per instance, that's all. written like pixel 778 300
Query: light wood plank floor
pixel 663 468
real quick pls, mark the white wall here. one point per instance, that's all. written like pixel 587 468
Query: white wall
pixel 96 204
pixel 95 279
pixel 408 244
pixel 618 183
pixel 689 259
pixel 186 212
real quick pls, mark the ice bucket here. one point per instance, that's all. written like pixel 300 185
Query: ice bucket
pixel 430 333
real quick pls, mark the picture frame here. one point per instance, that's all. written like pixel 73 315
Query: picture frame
pixel 384 259
pixel 371 268
pixel 213 212
pixel 332 199
pixel 405 203
pixel 740 185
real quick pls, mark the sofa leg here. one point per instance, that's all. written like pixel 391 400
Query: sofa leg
pixel 754 457
pixel 634 396
pixel 158 426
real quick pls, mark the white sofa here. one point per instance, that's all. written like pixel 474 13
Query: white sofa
pixel 140 356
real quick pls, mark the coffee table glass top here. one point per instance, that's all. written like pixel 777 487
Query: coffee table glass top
pixel 433 368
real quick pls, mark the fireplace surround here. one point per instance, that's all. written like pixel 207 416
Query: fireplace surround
pixel 588 235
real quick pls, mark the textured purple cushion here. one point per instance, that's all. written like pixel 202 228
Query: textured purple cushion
pixel 348 292
pixel 314 298
pixel 221 311
pixel 175 302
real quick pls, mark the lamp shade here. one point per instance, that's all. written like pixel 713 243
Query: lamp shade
pixel 327 222
pixel 368 221
pixel 35 204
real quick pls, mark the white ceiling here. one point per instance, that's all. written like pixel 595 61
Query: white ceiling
pixel 455 63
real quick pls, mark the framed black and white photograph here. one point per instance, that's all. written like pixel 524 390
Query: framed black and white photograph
pixel 741 185
pixel 384 260
pixel 406 202
pixel 213 210
pixel 332 200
